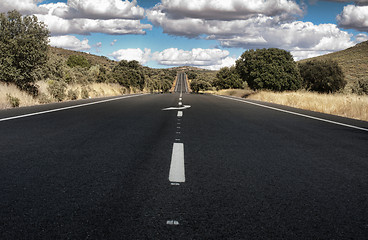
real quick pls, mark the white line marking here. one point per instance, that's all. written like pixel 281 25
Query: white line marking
pixel 178 127
pixel 180 104
pixel 176 108
pixel 180 99
pixel 175 184
pixel 294 113
pixel 180 113
pixel 177 171
pixel 172 222
pixel 178 132
pixel 66 108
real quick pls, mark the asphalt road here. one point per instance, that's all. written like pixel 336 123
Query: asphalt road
pixel 181 85
pixel 101 171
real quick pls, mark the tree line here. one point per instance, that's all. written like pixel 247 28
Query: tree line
pixel 275 69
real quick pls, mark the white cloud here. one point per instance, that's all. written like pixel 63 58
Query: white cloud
pixel 361 37
pixel 132 54
pixel 114 17
pixel 70 42
pixel 196 57
pixel 60 26
pixel 354 17
pixel 212 59
pixel 100 9
pixel 229 10
pixel 23 6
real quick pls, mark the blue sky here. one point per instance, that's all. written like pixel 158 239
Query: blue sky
pixel 204 33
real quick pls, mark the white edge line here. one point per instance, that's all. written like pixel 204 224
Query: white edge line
pixel 66 108
pixel 294 113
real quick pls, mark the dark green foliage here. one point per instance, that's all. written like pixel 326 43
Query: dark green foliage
pixel 199 85
pixel 191 75
pixel 72 94
pixel 14 101
pixel 322 76
pixel 227 78
pixel 57 90
pixel 78 61
pixel 24 46
pixel 129 74
pixel 273 69
pixel 361 87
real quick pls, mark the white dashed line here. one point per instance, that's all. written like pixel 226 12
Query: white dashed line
pixel 180 113
pixel 172 222
pixel 177 170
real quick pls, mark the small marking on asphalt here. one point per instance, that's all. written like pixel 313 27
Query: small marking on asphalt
pixel 180 104
pixel 180 99
pixel 175 184
pixel 180 113
pixel 178 132
pixel 178 127
pixel 177 169
pixel 172 222
pixel 178 139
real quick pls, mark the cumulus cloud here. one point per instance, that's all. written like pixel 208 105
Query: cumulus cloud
pixel 213 59
pixel 99 9
pixel 249 24
pixel 132 54
pixel 69 42
pixel 228 10
pixel 354 17
pixel 115 17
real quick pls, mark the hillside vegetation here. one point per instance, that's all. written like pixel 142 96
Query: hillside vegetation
pixel 353 61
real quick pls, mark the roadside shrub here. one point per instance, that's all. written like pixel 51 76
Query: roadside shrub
pixel 273 69
pixel 14 101
pixel 23 49
pixel 72 94
pixel 361 87
pixel 84 93
pixel 199 85
pixel 322 76
pixel 43 99
pixel 57 90
pixel 78 60
pixel 227 78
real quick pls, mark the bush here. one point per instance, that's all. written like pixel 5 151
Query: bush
pixel 14 101
pixel 273 69
pixel 199 85
pixel 57 90
pixel 361 87
pixel 322 76
pixel 227 78
pixel 78 60
pixel 84 93
pixel 23 49
pixel 72 94
pixel 129 74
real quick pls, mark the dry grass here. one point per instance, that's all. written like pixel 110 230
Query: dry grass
pixel 345 105
pixel 12 90
pixel 242 93
pixel 94 90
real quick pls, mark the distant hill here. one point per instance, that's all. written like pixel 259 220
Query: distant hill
pixel 353 61
pixel 94 59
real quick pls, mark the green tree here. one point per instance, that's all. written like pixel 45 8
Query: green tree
pixel 129 74
pixel 199 85
pixel 78 61
pixel 273 69
pixel 322 76
pixel 227 78
pixel 24 47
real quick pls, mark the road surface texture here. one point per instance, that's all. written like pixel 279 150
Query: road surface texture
pixel 101 171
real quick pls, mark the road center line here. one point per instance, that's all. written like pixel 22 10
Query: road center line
pixel 177 171
pixel 180 113
pixel 294 113
pixel 70 107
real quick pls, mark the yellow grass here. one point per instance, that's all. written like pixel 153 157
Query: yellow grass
pixel 232 92
pixel 345 105
pixel 12 90
pixel 94 90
